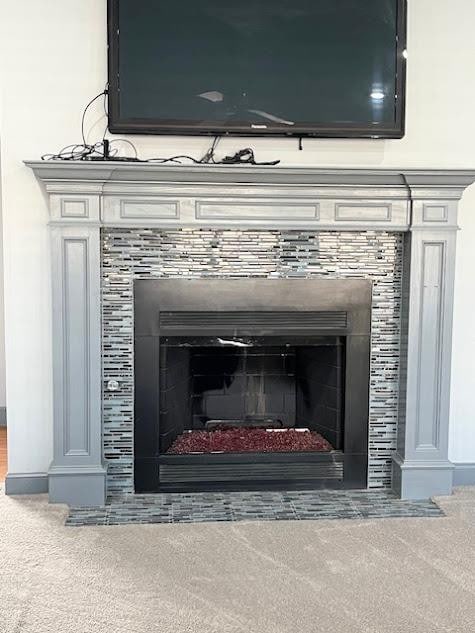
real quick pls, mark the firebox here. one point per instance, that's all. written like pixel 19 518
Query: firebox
pixel 251 384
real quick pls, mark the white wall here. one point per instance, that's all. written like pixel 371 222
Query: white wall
pixel 53 54
pixel 3 390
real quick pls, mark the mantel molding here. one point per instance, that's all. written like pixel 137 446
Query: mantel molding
pixel 145 194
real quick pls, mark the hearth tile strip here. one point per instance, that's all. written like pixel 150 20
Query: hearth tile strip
pixel 251 506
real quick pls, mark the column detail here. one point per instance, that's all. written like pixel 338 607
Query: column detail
pixel 77 474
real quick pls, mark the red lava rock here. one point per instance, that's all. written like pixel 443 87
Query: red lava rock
pixel 249 440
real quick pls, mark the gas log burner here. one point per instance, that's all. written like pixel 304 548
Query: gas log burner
pixel 251 383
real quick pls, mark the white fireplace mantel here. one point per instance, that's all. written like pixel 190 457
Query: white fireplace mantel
pixel 84 196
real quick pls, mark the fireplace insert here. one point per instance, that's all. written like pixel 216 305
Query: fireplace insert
pixel 251 384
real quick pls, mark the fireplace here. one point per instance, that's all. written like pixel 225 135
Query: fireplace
pixel 251 384
pixel 136 251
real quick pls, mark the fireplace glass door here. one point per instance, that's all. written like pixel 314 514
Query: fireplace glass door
pixel 254 395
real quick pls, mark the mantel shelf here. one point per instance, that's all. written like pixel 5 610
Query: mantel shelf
pixel 260 197
pixel 114 171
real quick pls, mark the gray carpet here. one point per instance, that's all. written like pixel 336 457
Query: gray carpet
pixel 408 575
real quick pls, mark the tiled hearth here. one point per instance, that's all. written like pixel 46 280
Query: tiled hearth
pixel 252 506
pixel 115 223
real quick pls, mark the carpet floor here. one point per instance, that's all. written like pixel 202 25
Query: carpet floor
pixel 411 575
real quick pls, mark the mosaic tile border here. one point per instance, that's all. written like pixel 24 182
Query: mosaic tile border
pixel 128 254
pixel 252 506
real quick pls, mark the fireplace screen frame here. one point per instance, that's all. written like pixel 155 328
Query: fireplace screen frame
pixel 251 307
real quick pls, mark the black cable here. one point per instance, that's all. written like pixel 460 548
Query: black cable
pixel 206 159
pixel 209 156
pixel 242 157
pixel 76 151
pixel 82 151
pixel 173 159
pixel 106 111
pixel 101 150
pixel 245 157
pixel 125 140
pixel 104 92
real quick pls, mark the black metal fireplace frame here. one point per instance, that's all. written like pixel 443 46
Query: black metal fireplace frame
pixel 251 307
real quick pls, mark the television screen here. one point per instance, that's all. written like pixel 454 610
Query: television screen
pixel 291 67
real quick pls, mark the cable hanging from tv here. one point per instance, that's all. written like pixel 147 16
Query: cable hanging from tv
pixel 103 151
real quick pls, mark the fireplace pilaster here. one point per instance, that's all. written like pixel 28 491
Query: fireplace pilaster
pixel 77 475
pixel 421 464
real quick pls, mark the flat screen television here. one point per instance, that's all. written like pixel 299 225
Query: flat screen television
pixel 323 68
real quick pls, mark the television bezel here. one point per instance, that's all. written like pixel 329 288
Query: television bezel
pixel 120 125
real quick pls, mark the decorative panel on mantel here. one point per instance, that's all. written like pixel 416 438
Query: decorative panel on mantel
pixel 197 253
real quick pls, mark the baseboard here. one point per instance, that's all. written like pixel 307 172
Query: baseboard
pixel 3 416
pixel 464 474
pixel 26 483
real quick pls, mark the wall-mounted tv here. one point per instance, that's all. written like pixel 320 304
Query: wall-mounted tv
pixel 324 68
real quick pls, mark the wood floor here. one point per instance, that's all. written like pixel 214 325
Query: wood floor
pixel 3 452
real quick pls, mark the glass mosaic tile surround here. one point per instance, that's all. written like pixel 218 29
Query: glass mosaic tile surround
pixel 226 253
